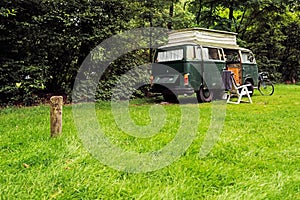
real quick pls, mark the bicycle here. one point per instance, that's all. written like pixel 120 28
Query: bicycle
pixel 265 86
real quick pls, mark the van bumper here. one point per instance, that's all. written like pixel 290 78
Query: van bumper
pixel 177 90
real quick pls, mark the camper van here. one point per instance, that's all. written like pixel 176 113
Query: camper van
pixel 193 61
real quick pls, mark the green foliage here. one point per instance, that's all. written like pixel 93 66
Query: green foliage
pixel 21 84
pixel 110 80
pixel 56 36
pixel 291 56
pixel 6 12
pixel 49 39
pixel 272 41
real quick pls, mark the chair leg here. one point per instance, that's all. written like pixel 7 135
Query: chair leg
pixel 249 97
pixel 240 98
pixel 233 102
pixel 244 92
pixel 228 98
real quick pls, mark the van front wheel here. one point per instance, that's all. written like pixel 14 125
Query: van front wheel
pixel 204 95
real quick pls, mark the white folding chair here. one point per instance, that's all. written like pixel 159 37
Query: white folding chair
pixel 238 91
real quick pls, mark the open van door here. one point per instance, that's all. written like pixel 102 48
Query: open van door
pixel 234 64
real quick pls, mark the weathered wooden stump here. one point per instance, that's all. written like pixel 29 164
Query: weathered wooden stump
pixel 56 103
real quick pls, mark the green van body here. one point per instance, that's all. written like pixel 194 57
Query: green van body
pixel 202 61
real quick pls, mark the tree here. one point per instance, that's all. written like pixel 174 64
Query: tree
pixel 46 41
pixel 269 36
pixel 290 67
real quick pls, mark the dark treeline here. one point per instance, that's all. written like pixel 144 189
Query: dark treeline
pixel 44 42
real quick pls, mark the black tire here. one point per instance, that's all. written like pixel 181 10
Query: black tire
pixel 250 88
pixel 204 95
pixel 266 87
pixel 170 97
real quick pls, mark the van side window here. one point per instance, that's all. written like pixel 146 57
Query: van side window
pixel 169 55
pixel 211 53
pixel 190 53
pixel 198 53
pixel 232 56
pixel 193 53
pixel 247 57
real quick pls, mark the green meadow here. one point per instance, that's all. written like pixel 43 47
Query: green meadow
pixel 257 154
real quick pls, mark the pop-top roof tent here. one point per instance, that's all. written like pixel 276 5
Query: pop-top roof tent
pixel 202 36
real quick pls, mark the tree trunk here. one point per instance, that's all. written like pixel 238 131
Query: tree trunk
pixel 198 17
pixel 56 103
pixel 171 14
pixel 231 16
pixel 150 41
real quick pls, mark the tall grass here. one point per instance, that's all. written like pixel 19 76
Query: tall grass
pixel 256 157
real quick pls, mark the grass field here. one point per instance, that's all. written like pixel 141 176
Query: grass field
pixel 256 157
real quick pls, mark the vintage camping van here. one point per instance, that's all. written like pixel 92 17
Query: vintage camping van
pixel 193 61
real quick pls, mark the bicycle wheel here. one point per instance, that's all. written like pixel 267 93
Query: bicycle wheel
pixel 266 87
pixel 250 88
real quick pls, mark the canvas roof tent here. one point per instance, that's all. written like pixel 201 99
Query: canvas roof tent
pixel 205 37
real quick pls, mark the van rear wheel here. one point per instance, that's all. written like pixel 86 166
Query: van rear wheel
pixel 172 98
pixel 204 95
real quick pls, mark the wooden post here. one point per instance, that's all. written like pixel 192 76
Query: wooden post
pixel 56 103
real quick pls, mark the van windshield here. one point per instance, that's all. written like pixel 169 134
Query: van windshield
pixel 169 55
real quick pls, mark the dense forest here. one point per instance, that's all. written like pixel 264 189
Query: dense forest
pixel 44 42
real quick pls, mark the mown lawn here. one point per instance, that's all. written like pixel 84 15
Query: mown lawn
pixel 256 157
